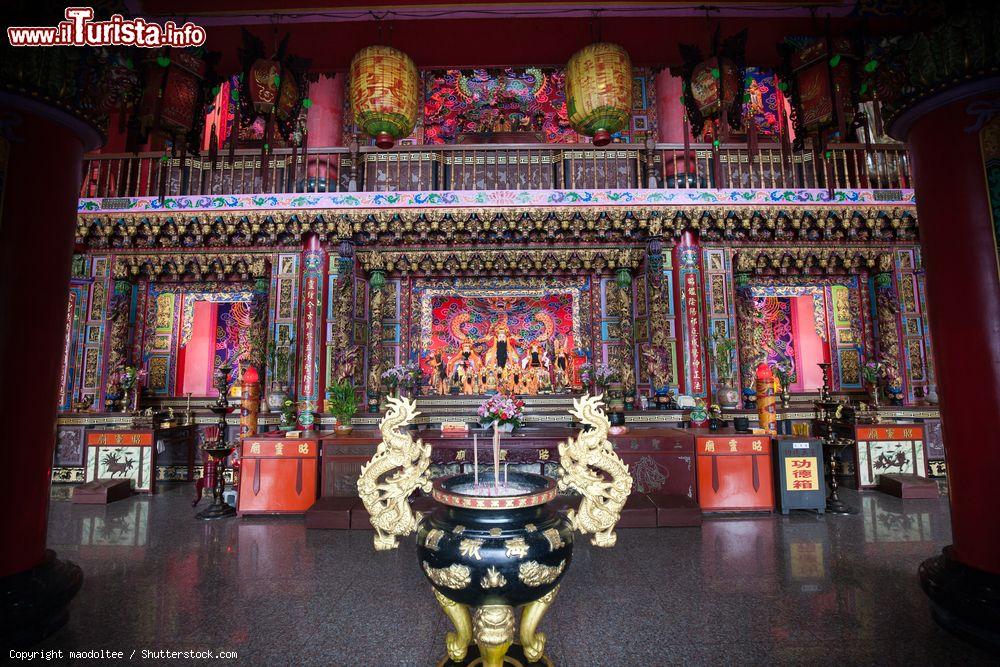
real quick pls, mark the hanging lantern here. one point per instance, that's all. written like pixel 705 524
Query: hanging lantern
pixel 383 92
pixel 263 84
pixel 171 96
pixel 714 84
pixel 823 73
pixel 288 98
pixel 377 280
pixel 599 91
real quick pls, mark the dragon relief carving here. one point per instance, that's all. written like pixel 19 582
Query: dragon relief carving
pixel 398 468
pixel 590 466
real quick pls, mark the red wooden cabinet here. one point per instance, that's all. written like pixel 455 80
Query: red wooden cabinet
pixel 734 471
pixel 278 475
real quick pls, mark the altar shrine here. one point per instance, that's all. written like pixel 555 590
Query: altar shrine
pixel 255 264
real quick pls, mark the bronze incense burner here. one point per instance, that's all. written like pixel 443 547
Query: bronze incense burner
pixel 489 549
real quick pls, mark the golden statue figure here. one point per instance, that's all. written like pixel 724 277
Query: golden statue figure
pixel 439 372
pixel 502 349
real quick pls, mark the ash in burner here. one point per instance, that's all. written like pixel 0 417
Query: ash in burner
pixel 489 490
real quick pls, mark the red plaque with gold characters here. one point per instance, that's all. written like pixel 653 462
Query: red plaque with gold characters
pixel 278 475
pixel 733 470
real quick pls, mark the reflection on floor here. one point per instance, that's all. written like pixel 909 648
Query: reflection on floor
pixel 767 589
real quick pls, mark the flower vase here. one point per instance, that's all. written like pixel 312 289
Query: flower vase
pixel 133 395
pixel 507 427
pixel 875 396
pixel 785 398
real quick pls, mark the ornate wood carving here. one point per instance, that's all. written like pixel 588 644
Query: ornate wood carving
pixel 240 229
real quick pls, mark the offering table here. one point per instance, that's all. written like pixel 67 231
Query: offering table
pixel 279 475
pixel 661 460
pixel 734 471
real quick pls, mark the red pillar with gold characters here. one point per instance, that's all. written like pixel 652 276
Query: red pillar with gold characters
pixel 311 385
pixel 41 152
pixel 953 135
pixel 687 259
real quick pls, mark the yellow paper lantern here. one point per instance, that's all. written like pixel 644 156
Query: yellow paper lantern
pixel 383 93
pixel 599 91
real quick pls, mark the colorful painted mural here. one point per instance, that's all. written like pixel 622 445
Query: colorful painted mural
pixel 530 322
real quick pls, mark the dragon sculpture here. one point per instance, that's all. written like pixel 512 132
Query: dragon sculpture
pixel 398 468
pixel 590 466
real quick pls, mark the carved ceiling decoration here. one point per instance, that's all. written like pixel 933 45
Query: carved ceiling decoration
pixel 540 260
pixel 199 266
pixel 244 229
pixel 815 260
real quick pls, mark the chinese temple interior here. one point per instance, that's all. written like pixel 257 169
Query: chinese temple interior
pixel 526 334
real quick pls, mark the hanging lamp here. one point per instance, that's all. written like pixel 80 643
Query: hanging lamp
pixel 383 93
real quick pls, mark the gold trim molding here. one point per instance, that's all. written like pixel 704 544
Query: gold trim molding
pixel 539 260
pixel 200 265
pixel 495 226
pixel 799 260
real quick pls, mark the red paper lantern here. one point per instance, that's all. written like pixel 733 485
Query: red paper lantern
pixel 815 68
pixel 714 84
pixel 288 99
pixel 170 98
pixel 263 85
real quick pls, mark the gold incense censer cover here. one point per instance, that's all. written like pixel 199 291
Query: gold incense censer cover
pixel 488 550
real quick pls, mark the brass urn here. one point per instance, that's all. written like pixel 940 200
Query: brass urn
pixel 488 549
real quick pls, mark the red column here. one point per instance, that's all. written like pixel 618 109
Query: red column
pixel 311 382
pixel 42 181
pixel 690 315
pixel 325 119
pixel 963 300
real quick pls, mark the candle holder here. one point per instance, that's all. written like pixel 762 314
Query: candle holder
pixel 834 445
pixel 824 391
pixel 188 413
pixel 220 448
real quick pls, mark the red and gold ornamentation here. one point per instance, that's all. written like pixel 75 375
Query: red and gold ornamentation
pixel 599 91
pixel 264 84
pixel 171 96
pixel 384 93
pixel 714 85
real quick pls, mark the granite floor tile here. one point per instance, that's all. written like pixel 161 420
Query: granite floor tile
pixel 756 590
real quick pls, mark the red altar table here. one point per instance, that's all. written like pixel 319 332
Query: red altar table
pixel 888 448
pixel 734 471
pixel 278 475
pixel 661 459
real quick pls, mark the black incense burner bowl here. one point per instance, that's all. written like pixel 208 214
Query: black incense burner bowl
pixel 477 549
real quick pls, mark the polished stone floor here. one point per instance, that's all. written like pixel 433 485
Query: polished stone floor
pixel 750 590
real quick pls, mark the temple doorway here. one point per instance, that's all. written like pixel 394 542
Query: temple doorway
pixel 189 330
pixel 794 325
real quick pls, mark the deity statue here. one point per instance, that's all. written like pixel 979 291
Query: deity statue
pixel 503 348
pixel 561 353
pixel 439 372
pixel 466 353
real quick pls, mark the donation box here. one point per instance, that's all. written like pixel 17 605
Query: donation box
pixel 734 471
pixel 798 469
pixel 278 475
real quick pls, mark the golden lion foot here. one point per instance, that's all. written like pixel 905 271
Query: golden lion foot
pixel 457 642
pixel 534 642
pixel 493 625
